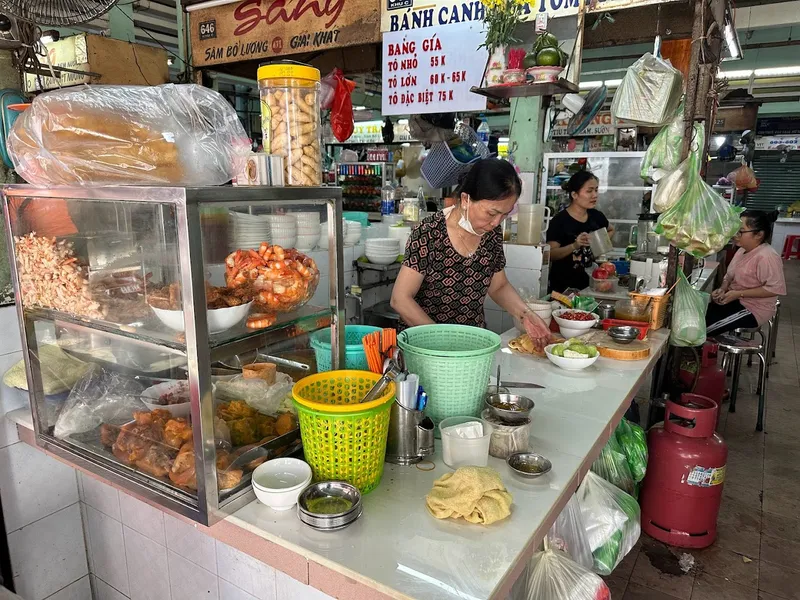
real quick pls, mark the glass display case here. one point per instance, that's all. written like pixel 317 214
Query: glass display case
pixel 361 184
pixel 163 329
pixel 623 194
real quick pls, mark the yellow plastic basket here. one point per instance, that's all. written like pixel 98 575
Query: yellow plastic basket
pixel 343 439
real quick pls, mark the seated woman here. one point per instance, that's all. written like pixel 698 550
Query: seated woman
pixel 754 279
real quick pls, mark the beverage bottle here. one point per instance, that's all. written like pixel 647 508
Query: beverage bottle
pixel 484 132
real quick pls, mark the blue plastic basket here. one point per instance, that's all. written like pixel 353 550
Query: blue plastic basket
pixel 354 356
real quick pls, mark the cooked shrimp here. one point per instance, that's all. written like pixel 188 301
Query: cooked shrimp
pixel 260 320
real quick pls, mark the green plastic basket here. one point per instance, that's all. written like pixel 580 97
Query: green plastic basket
pixel 354 356
pixel 343 439
pixel 453 363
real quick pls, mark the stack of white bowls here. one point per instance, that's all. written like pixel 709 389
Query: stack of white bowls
pixel 352 233
pixel 402 233
pixel 283 230
pixel 308 230
pixel 382 251
pixel 247 231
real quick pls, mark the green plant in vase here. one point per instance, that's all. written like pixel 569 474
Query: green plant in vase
pixel 500 20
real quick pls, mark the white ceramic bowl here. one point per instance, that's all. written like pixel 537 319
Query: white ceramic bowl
pixel 323 242
pixel 278 482
pixel 381 259
pixel 288 242
pixel 568 332
pixel 219 319
pixel 184 409
pixel 275 219
pixel 569 364
pixel 383 242
pixel 574 324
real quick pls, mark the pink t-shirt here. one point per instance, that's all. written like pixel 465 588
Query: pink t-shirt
pixel 761 267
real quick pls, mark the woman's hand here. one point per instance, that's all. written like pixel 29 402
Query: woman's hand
pixel 716 295
pixel 583 240
pixel 729 297
pixel 536 329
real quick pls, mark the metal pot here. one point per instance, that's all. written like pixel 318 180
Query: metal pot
pixel 605 309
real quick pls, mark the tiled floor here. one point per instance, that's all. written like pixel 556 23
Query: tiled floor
pixel 757 553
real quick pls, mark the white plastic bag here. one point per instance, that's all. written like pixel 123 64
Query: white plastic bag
pixel 568 534
pixel 612 521
pixel 664 152
pixel 650 92
pixel 266 398
pixel 553 576
pixel 117 135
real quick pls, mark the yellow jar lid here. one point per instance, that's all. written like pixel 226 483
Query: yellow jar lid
pixel 287 70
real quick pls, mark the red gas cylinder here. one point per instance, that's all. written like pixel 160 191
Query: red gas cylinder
pixel 710 379
pixel 682 489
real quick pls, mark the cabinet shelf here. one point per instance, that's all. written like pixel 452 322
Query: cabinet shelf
pixel 504 92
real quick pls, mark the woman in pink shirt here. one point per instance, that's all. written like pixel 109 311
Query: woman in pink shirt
pixel 754 279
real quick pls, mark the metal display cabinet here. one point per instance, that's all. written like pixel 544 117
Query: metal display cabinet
pixel 623 194
pixel 123 237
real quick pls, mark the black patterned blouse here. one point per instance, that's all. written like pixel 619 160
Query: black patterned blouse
pixel 455 286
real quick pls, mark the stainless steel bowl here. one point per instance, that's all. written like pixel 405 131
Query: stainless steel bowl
pixel 529 464
pixel 329 489
pixel 623 334
pixel 523 406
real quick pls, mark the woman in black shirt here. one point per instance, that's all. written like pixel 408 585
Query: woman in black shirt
pixel 568 233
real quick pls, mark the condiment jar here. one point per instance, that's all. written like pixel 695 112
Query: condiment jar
pixel 290 122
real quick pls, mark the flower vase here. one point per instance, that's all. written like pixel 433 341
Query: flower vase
pixel 496 66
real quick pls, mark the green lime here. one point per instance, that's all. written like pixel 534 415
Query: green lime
pixel 549 57
pixel 529 60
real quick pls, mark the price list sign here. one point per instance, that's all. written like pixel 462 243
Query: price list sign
pixel 432 69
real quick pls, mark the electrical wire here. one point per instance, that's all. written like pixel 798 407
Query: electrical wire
pixel 136 60
pixel 147 33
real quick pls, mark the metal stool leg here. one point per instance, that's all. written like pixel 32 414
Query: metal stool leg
pixel 774 333
pixel 737 369
pixel 762 394
pixel 768 346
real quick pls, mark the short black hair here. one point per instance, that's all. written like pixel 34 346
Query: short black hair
pixel 577 181
pixel 761 220
pixel 490 179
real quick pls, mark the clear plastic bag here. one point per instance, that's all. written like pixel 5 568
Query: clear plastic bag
pixel 688 314
pixel 664 151
pixel 99 397
pixel 700 221
pixel 633 441
pixel 612 520
pixel 612 465
pixel 650 92
pixel 568 534
pixel 267 398
pixel 671 188
pixel 553 576
pixel 116 135
pixel 744 178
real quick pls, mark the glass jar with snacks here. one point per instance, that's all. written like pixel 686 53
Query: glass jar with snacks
pixel 290 119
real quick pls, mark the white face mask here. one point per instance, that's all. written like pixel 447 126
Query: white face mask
pixel 464 223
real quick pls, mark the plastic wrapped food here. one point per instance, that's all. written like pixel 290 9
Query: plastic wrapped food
pixel 258 394
pixel 700 221
pixel 633 441
pixel 116 135
pixel 611 518
pixel 568 534
pixel 99 397
pixel 612 465
pixel 688 314
pixel 744 178
pixel 650 92
pixel 553 576
pixel 670 188
pixel 663 156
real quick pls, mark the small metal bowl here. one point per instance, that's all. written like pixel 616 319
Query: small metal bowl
pixel 329 489
pixel 529 464
pixel 522 407
pixel 623 334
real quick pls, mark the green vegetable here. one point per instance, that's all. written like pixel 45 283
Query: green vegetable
pixel 612 465
pixel 548 57
pixel 633 442
pixel 558 350
pixel 592 351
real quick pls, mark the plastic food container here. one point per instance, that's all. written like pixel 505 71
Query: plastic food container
pixel 290 120
pixel 460 451
pixel 604 285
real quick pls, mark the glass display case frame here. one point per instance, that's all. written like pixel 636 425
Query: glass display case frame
pixel 200 349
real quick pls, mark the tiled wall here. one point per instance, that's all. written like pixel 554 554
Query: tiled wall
pixel 141 553
pixel 523 269
pixel 40 501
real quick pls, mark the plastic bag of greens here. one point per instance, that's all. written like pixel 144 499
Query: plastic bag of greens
pixel 664 151
pixel 568 534
pixel 688 314
pixel 650 92
pixel 612 465
pixel 553 576
pixel 633 442
pixel 672 184
pixel 611 518
pixel 700 221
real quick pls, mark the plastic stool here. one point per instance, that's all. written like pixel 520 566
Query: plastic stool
pixel 788 247
pixel 736 347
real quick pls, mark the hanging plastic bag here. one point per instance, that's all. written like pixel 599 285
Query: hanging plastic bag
pixel 744 178
pixel 700 221
pixel 612 465
pixel 671 188
pixel 553 576
pixel 650 92
pixel 688 314
pixel 611 518
pixel 342 107
pixel 633 442
pixel 124 134
pixel 327 90
pixel 664 151
pixel 568 534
